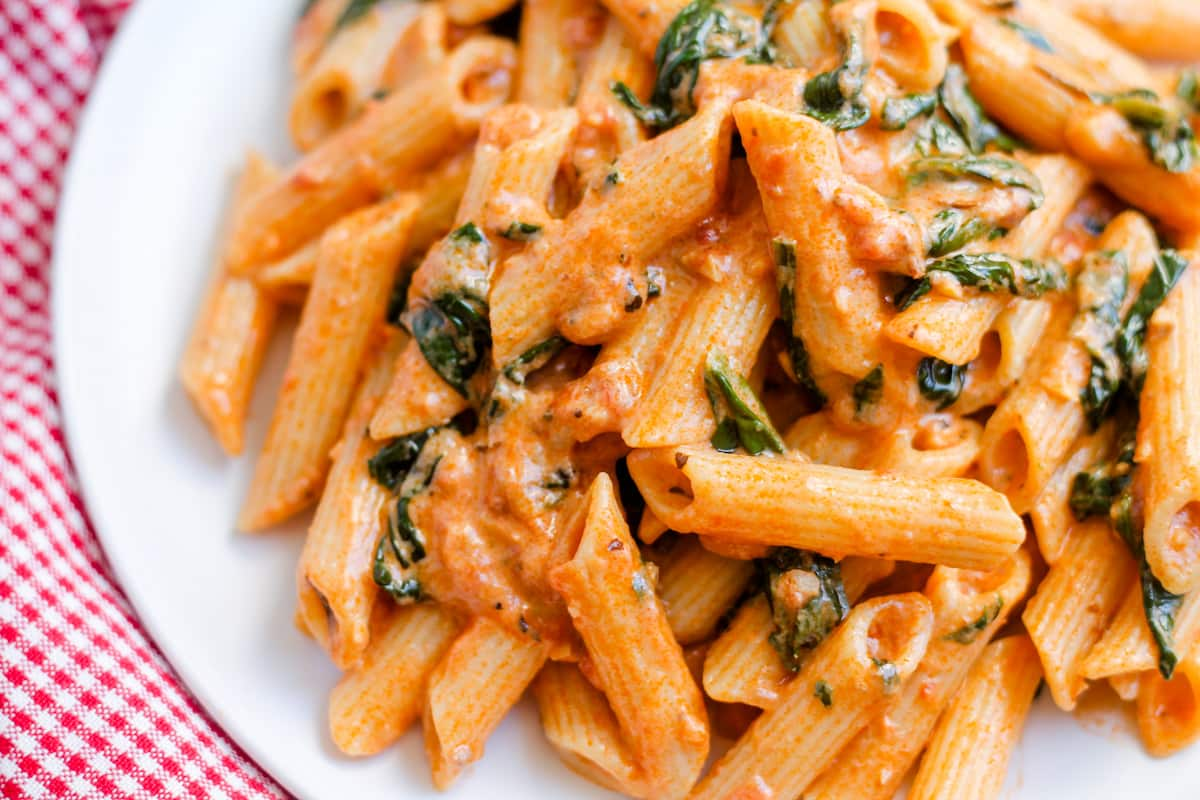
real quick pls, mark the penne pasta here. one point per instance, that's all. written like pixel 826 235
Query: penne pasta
pixel 374 703
pixel 824 508
pixel 697 588
pixel 355 267
pixel 406 132
pixel 481 676
pixel 1075 604
pixel 1168 711
pixel 846 680
pixel 230 334
pixel 628 638
pixel 1168 449
pixel 1127 646
pixel 968 608
pixel 581 727
pixel 338 85
pixel 333 581
pixel 969 751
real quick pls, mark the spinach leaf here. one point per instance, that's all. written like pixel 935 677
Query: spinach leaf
pixel 988 272
pixel 1094 491
pixel 970 632
pixel 952 229
pixel 454 335
pixel 977 130
pixel 868 390
pixel 354 10
pixel 522 231
pixel 402 545
pixel 940 382
pixel 392 462
pixel 398 299
pixel 704 29
pixel 836 97
pixel 807 601
pixel 1031 35
pixel 1100 287
pixel 784 252
pixel 1166 132
pixel 1159 605
pixel 936 138
pixel 899 111
pixel 1168 267
pixel 994 169
pixel 741 418
pixel 533 359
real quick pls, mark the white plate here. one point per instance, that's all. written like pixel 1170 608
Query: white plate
pixel 186 88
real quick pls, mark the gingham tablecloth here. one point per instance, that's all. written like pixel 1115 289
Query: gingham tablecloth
pixel 88 707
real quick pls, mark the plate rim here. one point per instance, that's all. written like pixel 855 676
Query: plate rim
pixel 61 353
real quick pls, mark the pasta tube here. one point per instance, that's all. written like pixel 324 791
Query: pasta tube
pixel 231 332
pixel 847 680
pixel 830 510
pixel 969 752
pixel 355 269
pixel 637 661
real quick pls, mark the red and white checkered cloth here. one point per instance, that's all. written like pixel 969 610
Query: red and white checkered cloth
pixel 88 707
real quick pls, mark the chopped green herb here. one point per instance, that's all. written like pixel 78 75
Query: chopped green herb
pixel 703 30
pixel 614 177
pixel 994 169
pixel 354 10
pixel 952 229
pixel 836 97
pixel 899 111
pixel 402 544
pixel 560 478
pixel 454 336
pixel 1109 487
pixel 970 632
pixel 804 610
pixel 1166 131
pixel 823 692
pixel 1160 606
pixel 888 674
pixel 533 359
pixel 392 462
pixel 936 138
pixel 1100 288
pixel 469 233
pixel 868 390
pixel 1031 35
pixel 1168 267
pixel 988 272
pixel 655 279
pixel 741 418
pixel 977 130
pixel 522 231
pixel 784 251
pixel 940 382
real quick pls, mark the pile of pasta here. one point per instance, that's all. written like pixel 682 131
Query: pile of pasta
pixel 822 376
